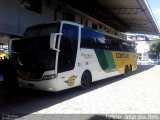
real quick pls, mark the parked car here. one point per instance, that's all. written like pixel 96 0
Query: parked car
pixel 146 62
pixel 4 53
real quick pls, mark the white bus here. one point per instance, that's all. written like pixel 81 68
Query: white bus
pixel 61 55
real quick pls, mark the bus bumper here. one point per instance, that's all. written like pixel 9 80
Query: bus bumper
pixel 45 85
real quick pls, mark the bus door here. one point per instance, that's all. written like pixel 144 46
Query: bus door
pixel 67 70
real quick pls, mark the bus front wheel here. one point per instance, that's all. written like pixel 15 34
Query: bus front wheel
pixel 86 80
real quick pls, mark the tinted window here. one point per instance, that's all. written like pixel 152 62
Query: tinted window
pixel 93 39
pixel 128 46
pixel 97 40
pixel 41 30
pixel 45 56
pixel 88 39
pixel 68 48
pixel 115 45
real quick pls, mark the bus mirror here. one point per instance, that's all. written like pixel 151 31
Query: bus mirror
pixel 53 39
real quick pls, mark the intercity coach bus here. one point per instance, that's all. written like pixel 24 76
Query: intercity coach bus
pixel 61 55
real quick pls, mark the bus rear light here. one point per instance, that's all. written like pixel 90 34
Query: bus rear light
pixel 48 77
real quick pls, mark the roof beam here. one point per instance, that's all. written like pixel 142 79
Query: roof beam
pixel 125 10
pixel 137 22
pixel 96 10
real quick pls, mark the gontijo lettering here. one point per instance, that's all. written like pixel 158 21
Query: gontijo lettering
pixel 122 55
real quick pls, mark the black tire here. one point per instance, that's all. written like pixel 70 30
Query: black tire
pixel 86 80
pixel 127 71
pixel 130 68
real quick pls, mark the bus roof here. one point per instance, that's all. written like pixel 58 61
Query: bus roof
pixel 82 26
pixel 60 21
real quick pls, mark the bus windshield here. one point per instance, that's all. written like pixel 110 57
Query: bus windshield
pixel 33 51
pixel 41 30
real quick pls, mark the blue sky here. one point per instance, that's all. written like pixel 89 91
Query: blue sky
pixel 155 7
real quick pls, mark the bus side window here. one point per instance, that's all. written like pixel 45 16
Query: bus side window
pixel 128 46
pixel 125 48
pixel 100 41
pixel 114 45
pixel 88 38
pixel 133 47
pixel 107 42
pixel 93 39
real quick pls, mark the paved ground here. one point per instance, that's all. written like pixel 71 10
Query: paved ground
pixel 139 93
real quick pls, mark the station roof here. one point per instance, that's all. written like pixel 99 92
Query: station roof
pixel 132 16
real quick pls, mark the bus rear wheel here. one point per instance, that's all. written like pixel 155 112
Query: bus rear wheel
pixel 127 71
pixel 86 80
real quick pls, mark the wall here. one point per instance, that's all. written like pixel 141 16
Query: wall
pixel 15 19
pixel 9 17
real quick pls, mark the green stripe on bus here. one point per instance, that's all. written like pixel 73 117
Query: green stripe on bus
pixel 106 60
